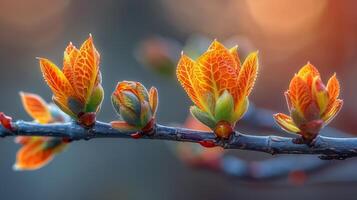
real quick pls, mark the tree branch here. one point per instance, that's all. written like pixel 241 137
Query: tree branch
pixel 327 147
pixel 269 169
pixel 276 170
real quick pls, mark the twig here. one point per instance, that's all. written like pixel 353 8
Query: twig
pixel 327 147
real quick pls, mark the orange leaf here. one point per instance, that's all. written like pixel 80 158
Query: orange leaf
pixel 32 156
pixel 215 45
pixel 300 94
pixel 56 80
pixel 141 92
pixel 215 72
pixel 234 52
pixel 23 139
pixel 85 70
pixel 333 111
pixel 308 70
pixel 153 99
pixel 247 76
pixel 185 76
pixel 36 107
pixel 98 79
pixel 70 55
pixel 333 89
pixel 308 73
pixel 286 123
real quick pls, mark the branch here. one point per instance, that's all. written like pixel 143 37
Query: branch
pixel 269 169
pixel 276 171
pixel 327 147
pixel 295 169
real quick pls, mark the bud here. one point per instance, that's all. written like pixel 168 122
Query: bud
pixel 159 55
pixel 76 88
pixel 219 85
pixel 135 105
pixel 312 105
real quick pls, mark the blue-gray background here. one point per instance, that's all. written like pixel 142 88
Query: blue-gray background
pixel 119 169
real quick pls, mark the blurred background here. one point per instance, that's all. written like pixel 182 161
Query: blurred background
pixel 287 33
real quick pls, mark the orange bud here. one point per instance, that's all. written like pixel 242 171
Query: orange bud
pixel 312 105
pixel 136 106
pixel 223 129
pixel 219 85
pixel 76 88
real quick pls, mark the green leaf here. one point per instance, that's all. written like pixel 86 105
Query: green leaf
pixel 116 105
pixel 95 99
pixel 131 101
pixel 128 107
pixel 141 89
pixel 129 116
pixel 209 99
pixel 146 113
pixel 240 110
pixel 203 117
pixel 224 107
pixel 75 105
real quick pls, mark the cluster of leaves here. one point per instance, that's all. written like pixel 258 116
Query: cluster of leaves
pixel 219 86
pixel 217 82
pixel 312 105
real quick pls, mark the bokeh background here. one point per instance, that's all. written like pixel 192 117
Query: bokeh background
pixel 287 33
